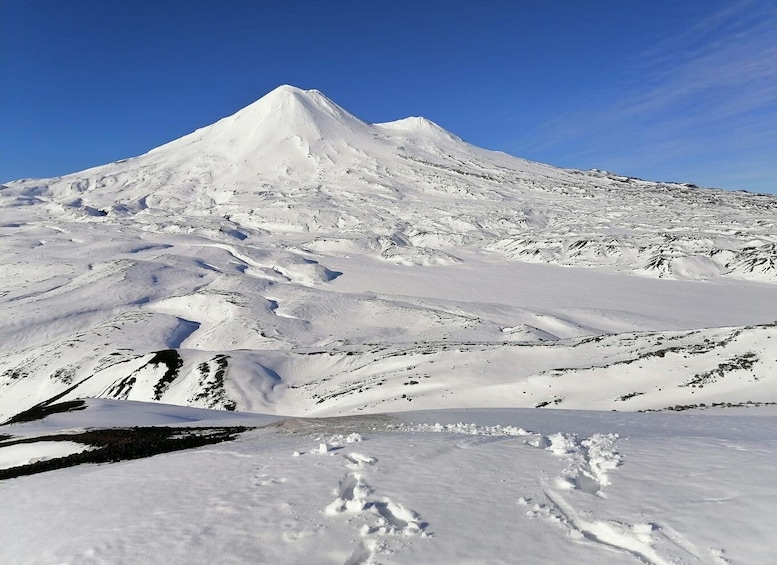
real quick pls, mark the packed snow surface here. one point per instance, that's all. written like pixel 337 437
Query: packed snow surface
pixel 295 261
pixel 442 486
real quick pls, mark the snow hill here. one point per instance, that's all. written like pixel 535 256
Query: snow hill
pixel 296 337
pixel 294 259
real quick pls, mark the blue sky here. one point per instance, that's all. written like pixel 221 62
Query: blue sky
pixel 658 89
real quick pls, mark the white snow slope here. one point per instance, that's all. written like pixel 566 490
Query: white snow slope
pixel 293 260
pixel 301 261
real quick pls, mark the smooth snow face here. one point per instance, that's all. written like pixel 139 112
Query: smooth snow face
pixel 467 486
pixel 293 259
pixel 27 453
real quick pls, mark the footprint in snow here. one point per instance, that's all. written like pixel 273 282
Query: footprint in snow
pixel 384 519
pixel 590 459
pixel 266 480
pixel 357 460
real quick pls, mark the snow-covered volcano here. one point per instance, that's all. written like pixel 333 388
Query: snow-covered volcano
pixel 292 258
pixel 296 165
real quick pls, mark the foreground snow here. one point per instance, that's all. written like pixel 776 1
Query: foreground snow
pixel 467 486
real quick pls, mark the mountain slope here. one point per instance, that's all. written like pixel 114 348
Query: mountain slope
pixel 292 258
pixel 299 166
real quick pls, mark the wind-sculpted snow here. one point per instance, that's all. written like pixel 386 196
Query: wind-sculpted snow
pixel 294 259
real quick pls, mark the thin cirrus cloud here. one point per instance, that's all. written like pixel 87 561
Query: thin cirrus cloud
pixel 701 105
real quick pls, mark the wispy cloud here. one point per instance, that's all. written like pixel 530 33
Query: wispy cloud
pixel 733 64
pixel 711 90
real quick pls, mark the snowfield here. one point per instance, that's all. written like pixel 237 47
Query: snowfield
pixel 440 486
pixel 305 338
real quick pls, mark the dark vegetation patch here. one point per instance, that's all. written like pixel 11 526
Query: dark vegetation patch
pixel 211 389
pixel 43 409
pixel 451 169
pixel 545 403
pixel 120 389
pixel 172 360
pixel 122 444
pixel 14 374
pixel 64 375
pixel 353 388
pixel 40 411
pixel 703 406
pixel 762 258
pixel 114 358
pixel 745 361
pixel 741 362
pixel 628 396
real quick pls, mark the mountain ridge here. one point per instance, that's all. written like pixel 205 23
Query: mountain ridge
pixel 317 169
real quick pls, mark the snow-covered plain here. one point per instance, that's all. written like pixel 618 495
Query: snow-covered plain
pixel 295 261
